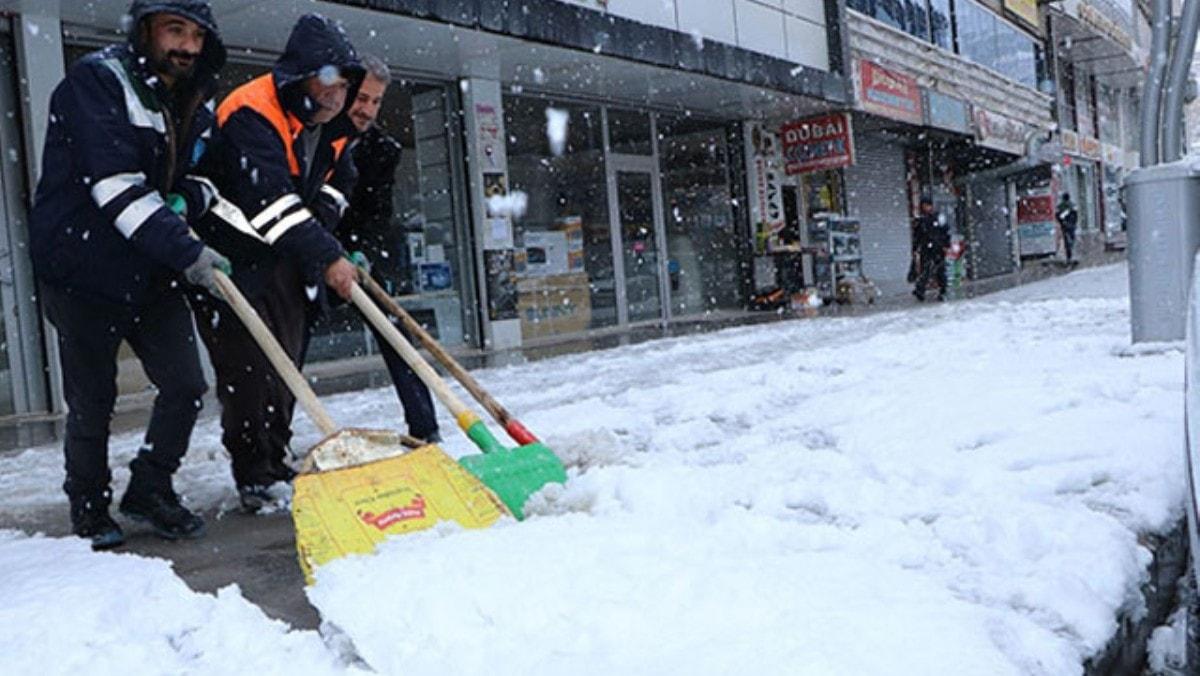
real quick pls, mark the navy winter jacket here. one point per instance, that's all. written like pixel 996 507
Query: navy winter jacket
pixel 117 142
pixel 262 168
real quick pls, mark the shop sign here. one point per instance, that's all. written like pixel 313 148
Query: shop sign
pixel 947 112
pixel 1089 146
pixel 1025 10
pixel 1114 24
pixel 818 143
pixel 888 93
pixel 1000 131
pixel 1036 225
pixel 766 182
pixel 1070 142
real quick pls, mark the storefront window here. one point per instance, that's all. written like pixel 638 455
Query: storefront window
pixel 629 132
pixel 418 258
pixel 976 32
pixel 941 30
pixel 565 249
pixel 702 239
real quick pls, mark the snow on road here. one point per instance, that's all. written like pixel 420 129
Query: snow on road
pixel 955 489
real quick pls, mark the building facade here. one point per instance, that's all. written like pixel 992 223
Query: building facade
pixel 618 127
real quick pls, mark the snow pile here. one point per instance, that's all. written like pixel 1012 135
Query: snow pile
pixel 68 610
pixel 957 489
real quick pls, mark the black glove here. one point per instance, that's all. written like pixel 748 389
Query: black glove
pixel 200 272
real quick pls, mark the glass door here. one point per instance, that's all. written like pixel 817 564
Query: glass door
pixel 635 197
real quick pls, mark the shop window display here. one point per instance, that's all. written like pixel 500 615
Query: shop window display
pixel 564 242
pixel 702 238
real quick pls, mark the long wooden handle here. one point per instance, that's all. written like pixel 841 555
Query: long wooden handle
pixel 410 355
pixel 278 358
pixel 497 411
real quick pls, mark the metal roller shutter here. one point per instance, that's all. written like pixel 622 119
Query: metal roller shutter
pixel 877 196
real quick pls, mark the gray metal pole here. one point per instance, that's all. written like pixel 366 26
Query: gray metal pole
pixel 1181 63
pixel 1152 88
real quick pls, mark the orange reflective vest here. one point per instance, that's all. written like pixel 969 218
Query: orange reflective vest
pixel 259 95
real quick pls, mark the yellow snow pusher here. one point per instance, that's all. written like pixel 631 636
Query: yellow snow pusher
pixel 357 486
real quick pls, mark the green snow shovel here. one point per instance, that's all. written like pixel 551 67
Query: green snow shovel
pixel 513 474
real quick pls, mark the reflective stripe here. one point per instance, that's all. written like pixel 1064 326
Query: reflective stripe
pixel 280 229
pixel 206 186
pixel 139 115
pixel 137 213
pixel 337 196
pixel 108 189
pixel 275 210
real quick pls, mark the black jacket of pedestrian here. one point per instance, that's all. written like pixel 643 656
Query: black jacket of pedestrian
pixel 368 222
pixel 262 167
pixel 118 141
pixel 1067 215
pixel 930 237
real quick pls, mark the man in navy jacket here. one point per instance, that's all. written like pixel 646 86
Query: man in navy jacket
pixel 283 160
pixel 110 240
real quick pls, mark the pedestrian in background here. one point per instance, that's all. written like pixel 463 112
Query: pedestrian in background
pixel 1068 219
pixel 931 237
pixel 367 230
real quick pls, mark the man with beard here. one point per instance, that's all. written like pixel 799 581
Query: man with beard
pixel 110 240
pixel 282 160
pixel 368 228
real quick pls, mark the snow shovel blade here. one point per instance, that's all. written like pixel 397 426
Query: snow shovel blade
pixel 365 487
pixel 514 474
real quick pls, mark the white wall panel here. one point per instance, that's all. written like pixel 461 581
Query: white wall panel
pixel 653 12
pixel 807 43
pixel 813 10
pixel 760 28
pixel 712 19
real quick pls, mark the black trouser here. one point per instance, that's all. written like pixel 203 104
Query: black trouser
pixel 414 395
pixel 933 266
pixel 256 405
pixel 90 332
pixel 1069 240
pixel 419 414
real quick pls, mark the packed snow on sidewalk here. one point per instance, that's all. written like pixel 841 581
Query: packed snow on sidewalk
pixel 953 489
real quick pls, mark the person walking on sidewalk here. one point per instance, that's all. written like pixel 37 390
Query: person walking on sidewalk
pixel 282 160
pixel 367 229
pixel 109 236
pixel 930 239
pixel 1068 219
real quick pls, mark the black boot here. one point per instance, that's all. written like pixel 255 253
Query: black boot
pixel 151 499
pixel 90 520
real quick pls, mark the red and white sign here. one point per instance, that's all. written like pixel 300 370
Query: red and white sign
pixel 1000 131
pixel 888 93
pixel 818 143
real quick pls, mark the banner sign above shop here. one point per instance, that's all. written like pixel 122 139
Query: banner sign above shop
pixel 1000 132
pixel 818 143
pixel 1026 11
pixel 947 112
pixel 888 93
pixel 1089 146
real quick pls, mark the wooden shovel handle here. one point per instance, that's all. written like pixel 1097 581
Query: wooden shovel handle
pixel 278 358
pixel 410 355
pixel 498 412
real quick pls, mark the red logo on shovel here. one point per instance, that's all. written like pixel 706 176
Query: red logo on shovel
pixel 413 510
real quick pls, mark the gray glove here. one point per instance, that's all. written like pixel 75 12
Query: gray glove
pixel 200 273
